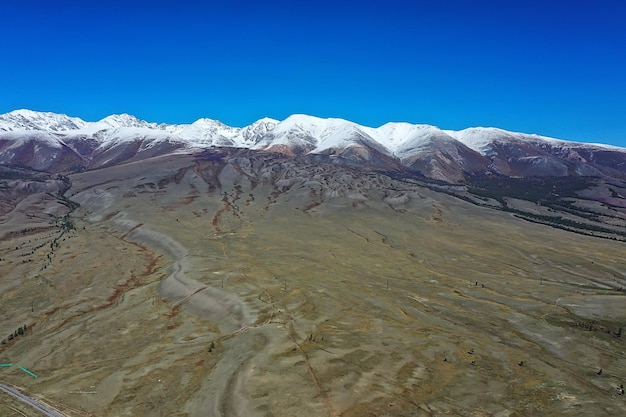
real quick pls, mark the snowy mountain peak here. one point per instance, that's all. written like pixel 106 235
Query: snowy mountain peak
pixel 266 121
pixel 395 135
pixel 33 120
pixel 250 135
pixel 30 114
pixel 205 121
pixel 303 119
pixel 482 139
pixel 312 126
pixel 125 120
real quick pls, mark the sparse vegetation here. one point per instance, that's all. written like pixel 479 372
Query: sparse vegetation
pixel 541 190
pixel 20 331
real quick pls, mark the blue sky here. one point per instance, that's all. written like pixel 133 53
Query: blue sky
pixel 549 67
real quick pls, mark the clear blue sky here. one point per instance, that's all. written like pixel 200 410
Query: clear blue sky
pixel 556 68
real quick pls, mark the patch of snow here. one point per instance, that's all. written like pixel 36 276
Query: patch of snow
pixel 19 138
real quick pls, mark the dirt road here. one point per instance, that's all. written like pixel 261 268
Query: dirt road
pixel 31 401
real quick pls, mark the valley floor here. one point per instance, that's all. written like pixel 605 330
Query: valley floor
pixel 185 286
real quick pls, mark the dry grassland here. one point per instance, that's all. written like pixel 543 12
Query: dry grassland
pixel 196 288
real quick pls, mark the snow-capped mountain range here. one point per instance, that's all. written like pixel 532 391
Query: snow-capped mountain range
pixel 58 143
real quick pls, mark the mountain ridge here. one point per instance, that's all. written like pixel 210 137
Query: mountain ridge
pixel 24 119
pixel 436 153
